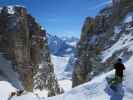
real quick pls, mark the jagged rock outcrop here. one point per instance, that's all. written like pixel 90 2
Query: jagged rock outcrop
pixel 98 34
pixel 24 43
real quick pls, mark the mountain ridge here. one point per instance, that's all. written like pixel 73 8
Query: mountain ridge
pixel 61 46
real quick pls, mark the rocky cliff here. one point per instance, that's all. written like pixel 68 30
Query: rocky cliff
pixel 98 35
pixel 24 43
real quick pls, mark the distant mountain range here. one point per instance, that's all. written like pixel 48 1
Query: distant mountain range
pixel 61 46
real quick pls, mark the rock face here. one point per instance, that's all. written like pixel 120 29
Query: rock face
pixel 99 34
pixel 24 43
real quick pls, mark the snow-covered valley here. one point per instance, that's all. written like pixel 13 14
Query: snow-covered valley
pixel 60 64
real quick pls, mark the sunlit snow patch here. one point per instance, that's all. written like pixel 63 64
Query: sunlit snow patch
pixel 5 90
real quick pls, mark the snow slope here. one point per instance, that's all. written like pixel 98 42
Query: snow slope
pixel 125 42
pixel 5 89
pixel 60 64
pixel 98 89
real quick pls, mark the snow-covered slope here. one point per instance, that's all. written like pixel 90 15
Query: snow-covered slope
pixel 125 42
pixel 63 76
pixel 98 89
pixel 59 65
pixel 5 90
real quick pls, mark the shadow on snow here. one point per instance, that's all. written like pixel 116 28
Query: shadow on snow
pixel 116 94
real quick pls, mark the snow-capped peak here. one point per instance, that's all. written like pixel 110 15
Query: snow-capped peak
pixel 61 46
pixel 10 9
pixel 129 17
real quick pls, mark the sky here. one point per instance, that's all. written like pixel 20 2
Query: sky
pixel 60 17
